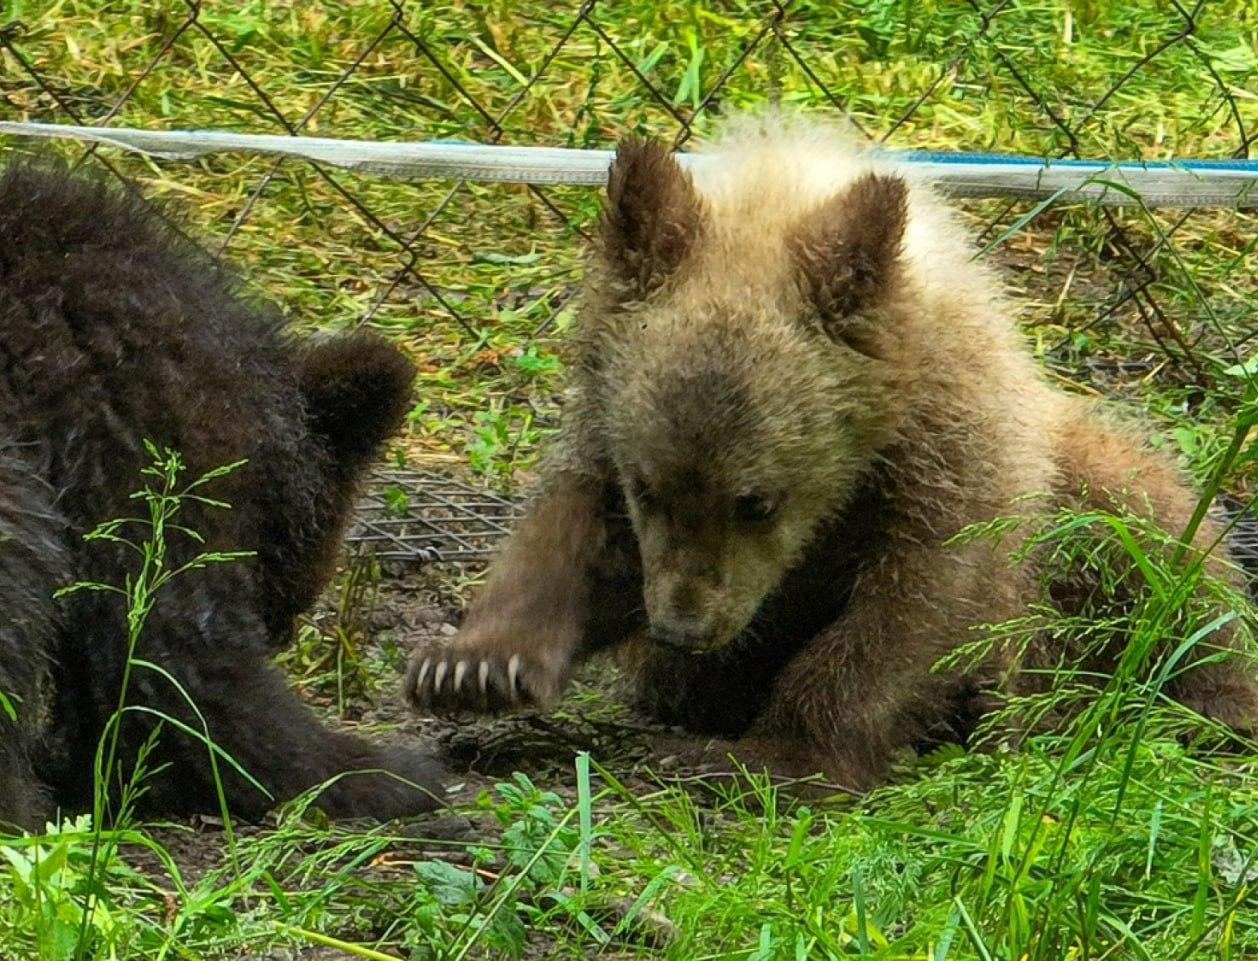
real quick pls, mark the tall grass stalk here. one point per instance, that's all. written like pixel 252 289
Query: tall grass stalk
pixel 163 497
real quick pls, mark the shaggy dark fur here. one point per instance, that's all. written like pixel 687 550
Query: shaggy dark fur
pixel 113 330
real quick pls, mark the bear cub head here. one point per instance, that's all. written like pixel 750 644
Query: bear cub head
pixel 740 348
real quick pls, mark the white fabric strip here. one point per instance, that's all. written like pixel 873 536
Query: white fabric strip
pixel 1195 184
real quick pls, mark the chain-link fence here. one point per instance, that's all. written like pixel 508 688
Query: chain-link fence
pixel 479 278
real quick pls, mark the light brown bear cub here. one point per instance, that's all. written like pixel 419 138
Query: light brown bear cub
pixel 793 385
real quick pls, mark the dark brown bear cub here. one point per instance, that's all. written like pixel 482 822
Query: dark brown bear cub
pixel 114 331
pixel 793 386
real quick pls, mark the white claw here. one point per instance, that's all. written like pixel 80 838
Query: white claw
pixel 438 676
pixel 513 675
pixel 460 669
pixel 482 675
pixel 423 675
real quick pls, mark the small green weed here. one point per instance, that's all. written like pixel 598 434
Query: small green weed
pixel 50 879
pixel 502 435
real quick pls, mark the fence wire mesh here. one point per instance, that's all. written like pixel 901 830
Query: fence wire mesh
pixel 479 279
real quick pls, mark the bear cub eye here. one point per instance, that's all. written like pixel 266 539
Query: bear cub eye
pixel 753 508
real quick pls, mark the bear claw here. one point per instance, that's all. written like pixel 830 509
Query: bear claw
pixel 444 683
pixel 513 675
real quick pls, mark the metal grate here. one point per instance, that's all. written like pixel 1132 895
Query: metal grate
pixel 418 517
pixel 1243 538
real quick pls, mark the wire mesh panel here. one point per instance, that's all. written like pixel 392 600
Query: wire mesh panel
pixel 416 517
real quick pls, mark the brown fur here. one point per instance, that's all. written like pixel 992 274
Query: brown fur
pixel 793 387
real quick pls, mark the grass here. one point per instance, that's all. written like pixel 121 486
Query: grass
pixel 1108 840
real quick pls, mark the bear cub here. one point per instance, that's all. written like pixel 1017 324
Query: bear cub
pixel 793 385
pixel 115 331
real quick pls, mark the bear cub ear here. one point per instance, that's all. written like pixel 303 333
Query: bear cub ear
pixel 357 390
pixel 848 251
pixel 652 215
